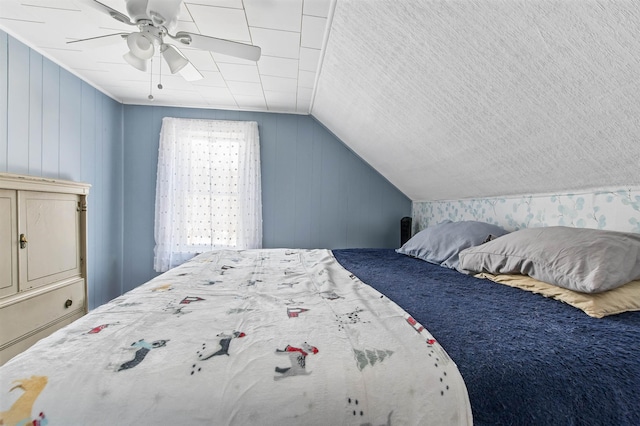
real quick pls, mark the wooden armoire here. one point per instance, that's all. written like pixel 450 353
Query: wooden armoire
pixel 43 258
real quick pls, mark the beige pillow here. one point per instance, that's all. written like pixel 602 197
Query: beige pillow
pixel 621 299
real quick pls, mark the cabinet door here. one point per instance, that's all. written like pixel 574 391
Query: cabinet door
pixel 50 223
pixel 8 243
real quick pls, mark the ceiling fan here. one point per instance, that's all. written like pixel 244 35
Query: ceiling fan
pixel 155 19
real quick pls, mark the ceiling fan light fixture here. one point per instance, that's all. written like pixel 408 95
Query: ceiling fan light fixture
pixel 135 62
pixel 175 59
pixel 140 46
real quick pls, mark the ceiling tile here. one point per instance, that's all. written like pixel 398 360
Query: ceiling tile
pixel 312 31
pixel 186 99
pixel 236 72
pixel 309 59
pixel 283 44
pixel 72 58
pixel 306 78
pixel 280 101
pixel 279 67
pixel 241 88
pixel 126 73
pixel 188 26
pixel 317 8
pixel 58 4
pixel 279 84
pixel 282 15
pixel 304 97
pixel 217 95
pixel 220 22
pixel 211 78
pixel 41 33
pixel 118 5
pixel 109 53
pixel 251 102
pixel 16 12
pixel 231 4
pixel 172 83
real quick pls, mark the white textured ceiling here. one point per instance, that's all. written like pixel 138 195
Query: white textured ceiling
pixel 447 99
pixel 470 98
pixel 289 32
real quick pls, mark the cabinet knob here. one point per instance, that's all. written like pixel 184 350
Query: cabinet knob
pixel 23 241
pixel 68 303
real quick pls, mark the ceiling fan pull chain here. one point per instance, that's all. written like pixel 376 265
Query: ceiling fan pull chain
pixel 160 86
pixel 151 81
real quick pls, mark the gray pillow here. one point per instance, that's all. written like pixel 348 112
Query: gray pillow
pixel 440 244
pixel 579 259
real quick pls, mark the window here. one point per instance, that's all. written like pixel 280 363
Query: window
pixel 208 190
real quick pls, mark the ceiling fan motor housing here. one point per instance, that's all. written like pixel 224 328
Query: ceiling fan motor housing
pixel 160 12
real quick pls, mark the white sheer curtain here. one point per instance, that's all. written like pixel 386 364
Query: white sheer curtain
pixel 208 190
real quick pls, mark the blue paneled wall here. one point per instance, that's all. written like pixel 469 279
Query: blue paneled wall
pixel 52 124
pixel 316 192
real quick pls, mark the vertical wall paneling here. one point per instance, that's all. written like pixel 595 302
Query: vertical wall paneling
pixel 315 185
pixel 111 259
pixel 4 98
pixel 268 156
pixel 88 174
pixel 303 193
pixel 88 133
pixel 18 113
pixel 52 124
pixel 357 198
pixel 141 137
pixel 285 179
pixel 98 204
pixel 50 119
pixel 70 126
pixel 331 193
pixel 35 113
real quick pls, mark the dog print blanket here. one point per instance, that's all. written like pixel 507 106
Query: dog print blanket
pixel 253 337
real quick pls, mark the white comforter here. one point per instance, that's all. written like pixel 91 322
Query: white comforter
pixel 257 337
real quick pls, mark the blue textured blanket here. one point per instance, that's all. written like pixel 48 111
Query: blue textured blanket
pixel 526 359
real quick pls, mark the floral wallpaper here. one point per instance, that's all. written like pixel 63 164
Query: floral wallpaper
pixel 616 210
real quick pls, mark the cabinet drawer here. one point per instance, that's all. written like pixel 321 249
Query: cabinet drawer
pixel 31 314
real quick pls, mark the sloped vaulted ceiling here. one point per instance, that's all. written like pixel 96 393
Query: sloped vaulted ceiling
pixel 471 98
pixel 447 99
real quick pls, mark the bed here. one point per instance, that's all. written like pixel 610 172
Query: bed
pixel 268 337
pixel 447 348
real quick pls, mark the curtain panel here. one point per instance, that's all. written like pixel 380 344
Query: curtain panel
pixel 208 189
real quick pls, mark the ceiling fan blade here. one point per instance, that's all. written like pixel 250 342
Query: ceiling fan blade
pixel 100 41
pixel 118 16
pixel 218 45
